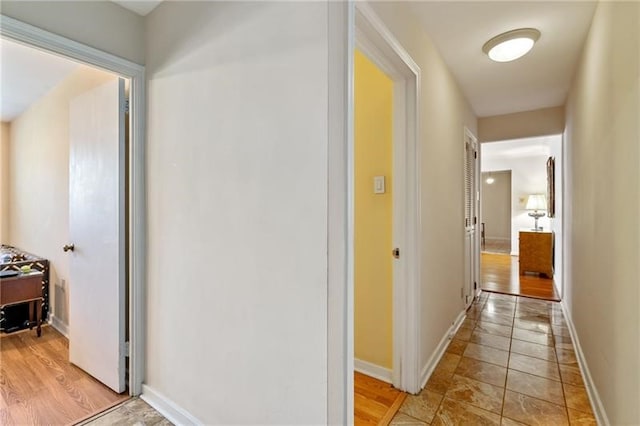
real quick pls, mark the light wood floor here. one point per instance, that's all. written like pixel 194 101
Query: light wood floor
pixel 39 386
pixel 376 402
pixel 499 273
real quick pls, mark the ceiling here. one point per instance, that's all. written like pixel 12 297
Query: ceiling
pixel 458 29
pixel 141 7
pixel 538 80
pixel 26 74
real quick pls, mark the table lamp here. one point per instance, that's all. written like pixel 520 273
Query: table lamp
pixel 537 202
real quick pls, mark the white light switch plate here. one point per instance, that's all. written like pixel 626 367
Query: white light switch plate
pixel 378 185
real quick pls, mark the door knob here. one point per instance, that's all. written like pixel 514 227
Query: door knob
pixel 68 247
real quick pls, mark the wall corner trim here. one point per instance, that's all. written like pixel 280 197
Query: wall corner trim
pixel 373 370
pixel 427 370
pixel 169 409
pixel 594 397
pixel 57 323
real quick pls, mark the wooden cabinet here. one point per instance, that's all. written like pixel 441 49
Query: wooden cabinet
pixel 24 288
pixel 536 252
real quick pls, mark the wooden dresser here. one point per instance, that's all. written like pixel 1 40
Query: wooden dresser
pixel 536 252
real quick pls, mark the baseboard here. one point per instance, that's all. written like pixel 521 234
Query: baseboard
pixel 594 397
pixel 59 325
pixel 169 409
pixel 427 370
pixel 372 370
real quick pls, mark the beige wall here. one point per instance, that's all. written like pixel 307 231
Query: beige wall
pixel 496 205
pixel 603 206
pixel 4 182
pixel 540 122
pixel 101 24
pixel 39 179
pixel 444 113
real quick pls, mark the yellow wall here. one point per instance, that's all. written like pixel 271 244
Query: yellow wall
pixel 373 213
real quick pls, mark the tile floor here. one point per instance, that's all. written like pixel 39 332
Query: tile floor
pixel 133 412
pixel 511 363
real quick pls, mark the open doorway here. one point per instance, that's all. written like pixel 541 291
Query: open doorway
pixel 66 196
pixel 526 261
pixel 384 196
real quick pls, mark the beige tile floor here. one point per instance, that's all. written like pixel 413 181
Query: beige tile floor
pixel 132 412
pixel 511 363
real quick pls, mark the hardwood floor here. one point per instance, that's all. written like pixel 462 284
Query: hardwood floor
pixel 499 273
pixel 376 402
pixel 38 385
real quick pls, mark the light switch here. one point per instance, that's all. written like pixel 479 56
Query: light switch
pixel 378 184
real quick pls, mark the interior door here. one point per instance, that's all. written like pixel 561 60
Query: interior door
pixel 97 228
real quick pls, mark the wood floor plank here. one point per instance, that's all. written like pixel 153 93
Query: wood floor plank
pixel 375 402
pixel 500 274
pixel 38 385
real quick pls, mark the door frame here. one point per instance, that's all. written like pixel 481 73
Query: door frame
pixel 376 42
pixel 38 38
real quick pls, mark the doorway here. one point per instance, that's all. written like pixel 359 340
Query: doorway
pixel 377 45
pixel 131 245
pixel 495 228
pixel 532 182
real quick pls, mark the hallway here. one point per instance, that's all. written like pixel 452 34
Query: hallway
pixel 511 362
pixel 499 273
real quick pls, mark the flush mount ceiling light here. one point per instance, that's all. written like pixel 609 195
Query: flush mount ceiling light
pixel 511 45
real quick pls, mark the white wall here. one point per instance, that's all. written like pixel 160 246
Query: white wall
pixel 5 142
pixel 443 114
pixel 101 24
pixel 602 286
pixel 527 160
pixel 237 202
pixel 557 223
pixel 39 180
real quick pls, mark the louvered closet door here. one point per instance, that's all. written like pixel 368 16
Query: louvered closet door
pixel 470 218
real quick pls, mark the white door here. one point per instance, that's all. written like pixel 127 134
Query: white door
pixel 96 228
pixel 470 218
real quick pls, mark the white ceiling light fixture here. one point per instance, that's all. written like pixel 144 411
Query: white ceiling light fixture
pixel 511 45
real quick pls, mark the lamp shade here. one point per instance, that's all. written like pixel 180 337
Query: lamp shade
pixel 537 202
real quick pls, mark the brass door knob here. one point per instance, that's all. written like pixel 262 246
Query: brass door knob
pixel 68 247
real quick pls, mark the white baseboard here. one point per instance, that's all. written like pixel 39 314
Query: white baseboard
pixel 427 370
pixel 59 325
pixel 594 397
pixel 169 409
pixel 372 370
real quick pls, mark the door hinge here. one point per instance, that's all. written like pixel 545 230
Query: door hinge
pixel 475 285
pixel 475 220
pixel 475 154
pixel 396 253
pixel 126 349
